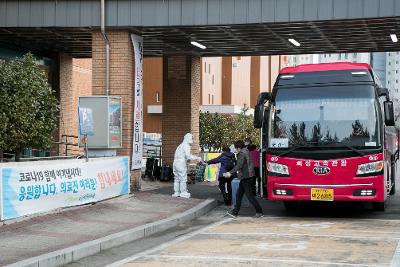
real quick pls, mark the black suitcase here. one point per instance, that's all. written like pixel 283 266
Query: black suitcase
pixel 166 173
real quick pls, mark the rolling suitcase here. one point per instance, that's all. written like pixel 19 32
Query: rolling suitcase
pixel 166 173
pixel 235 187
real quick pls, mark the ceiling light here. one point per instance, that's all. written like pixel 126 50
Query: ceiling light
pixel 394 38
pixel 198 45
pixel 294 42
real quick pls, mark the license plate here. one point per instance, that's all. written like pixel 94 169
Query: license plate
pixel 321 194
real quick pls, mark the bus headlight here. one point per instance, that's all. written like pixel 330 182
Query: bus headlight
pixel 278 169
pixel 370 168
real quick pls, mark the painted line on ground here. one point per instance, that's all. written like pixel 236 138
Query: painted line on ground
pixel 396 257
pixel 269 260
pixel 167 244
pixel 317 219
pixel 299 234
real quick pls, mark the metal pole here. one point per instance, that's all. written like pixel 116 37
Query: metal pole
pixel 107 44
pixel 86 148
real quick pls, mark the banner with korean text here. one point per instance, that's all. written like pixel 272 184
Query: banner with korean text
pixel 29 188
pixel 137 153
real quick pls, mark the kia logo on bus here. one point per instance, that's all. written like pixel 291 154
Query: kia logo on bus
pixel 321 170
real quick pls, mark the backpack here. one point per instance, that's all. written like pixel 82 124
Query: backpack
pixel 230 164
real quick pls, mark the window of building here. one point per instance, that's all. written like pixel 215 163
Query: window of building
pixel 389 72
pixel 397 62
pixel 209 68
pixel 205 67
pixel 389 54
pixel 213 79
pixel 346 55
pixel 397 81
pixel 209 99
pixel 212 99
pixel 158 99
pixel 388 82
pixel 397 71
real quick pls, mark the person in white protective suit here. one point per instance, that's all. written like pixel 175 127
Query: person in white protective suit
pixel 182 156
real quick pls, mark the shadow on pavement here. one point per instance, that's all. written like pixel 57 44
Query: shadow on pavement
pixel 307 209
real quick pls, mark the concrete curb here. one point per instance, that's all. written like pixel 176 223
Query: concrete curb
pixel 70 254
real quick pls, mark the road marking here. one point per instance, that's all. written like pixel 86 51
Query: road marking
pixel 301 234
pixel 322 225
pixel 167 244
pixel 269 260
pixel 396 257
pixel 301 245
pixel 318 218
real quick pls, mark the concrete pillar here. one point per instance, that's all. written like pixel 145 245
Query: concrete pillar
pixel 121 83
pixel 75 81
pixel 226 98
pixel 66 99
pixel 254 80
pixel 181 102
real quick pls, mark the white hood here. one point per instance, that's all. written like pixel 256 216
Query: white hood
pixel 188 139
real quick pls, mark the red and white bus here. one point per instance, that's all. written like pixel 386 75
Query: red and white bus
pixel 329 135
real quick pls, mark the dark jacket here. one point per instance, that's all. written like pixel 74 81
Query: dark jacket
pixel 223 159
pixel 244 166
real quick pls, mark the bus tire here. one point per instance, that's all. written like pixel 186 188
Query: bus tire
pixel 291 205
pixel 379 206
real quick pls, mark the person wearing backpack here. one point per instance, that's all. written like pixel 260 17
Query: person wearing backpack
pixel 227 160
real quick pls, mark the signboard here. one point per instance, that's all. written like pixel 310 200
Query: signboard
pixel 85 121
pixel 33 188
pixel 101 115
pixel 114 123
pixel 137 42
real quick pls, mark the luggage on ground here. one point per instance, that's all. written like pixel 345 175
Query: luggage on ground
pixel 200 169
pixel 166 173
pixel 235 187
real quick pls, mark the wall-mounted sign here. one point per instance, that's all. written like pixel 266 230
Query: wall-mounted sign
pixel 86 121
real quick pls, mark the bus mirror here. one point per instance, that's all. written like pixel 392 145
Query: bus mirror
pixel 258 116
pixel 383 92
pixel 263 97
pixel 266 118
pixel 389 113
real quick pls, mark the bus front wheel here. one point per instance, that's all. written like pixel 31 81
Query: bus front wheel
pixel 379 206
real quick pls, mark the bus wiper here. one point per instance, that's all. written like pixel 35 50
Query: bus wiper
pixel 294 148
pixel 358 152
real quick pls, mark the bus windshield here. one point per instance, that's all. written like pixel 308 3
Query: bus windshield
pixel 325 116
